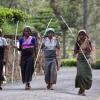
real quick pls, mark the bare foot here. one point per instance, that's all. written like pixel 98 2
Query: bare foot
pixel 51 87
pixel 0 88
pixel 48 86
pixel 28 87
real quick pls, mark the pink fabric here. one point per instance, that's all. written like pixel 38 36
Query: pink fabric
pixel 27 42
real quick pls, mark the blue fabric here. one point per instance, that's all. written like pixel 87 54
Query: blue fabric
pixel 21 40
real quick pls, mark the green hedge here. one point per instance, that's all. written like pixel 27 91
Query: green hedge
pixel 72 62
pixel 68 62
pixel 11 15
pixel 97 64
pixel 9 18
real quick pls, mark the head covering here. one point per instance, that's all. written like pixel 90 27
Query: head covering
pixel 50 30
pixel 27 28
pixel 82 30
pixel 0 30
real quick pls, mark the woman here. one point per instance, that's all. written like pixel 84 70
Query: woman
pixel 26 46
pixel 3 46
pixel 83 49
pixel 50 44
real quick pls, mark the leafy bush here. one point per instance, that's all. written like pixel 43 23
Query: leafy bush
pixel 9 18
pixel 11 15
pixel 72 62
pixel 10 29
pixel 68 62
pixel 97 64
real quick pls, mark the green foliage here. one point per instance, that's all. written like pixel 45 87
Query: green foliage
pixel 9 18
pixel 40 20
pixel 11 15
pixel 71 13
pixel 11 28
pixel 8 28
pixel 68 62
pixel 97 64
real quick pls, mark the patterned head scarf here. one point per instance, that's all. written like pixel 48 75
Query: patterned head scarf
pixel 82 32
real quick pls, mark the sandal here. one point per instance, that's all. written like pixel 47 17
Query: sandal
pixel 48 86
pixel 0 88
pixel 51 87
pixel 28 87
pixel 82 92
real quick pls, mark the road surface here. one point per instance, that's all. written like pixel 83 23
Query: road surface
pixel 64 89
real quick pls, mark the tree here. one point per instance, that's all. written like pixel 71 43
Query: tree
pixel 57 13
pixel 69 10
pixel 85 15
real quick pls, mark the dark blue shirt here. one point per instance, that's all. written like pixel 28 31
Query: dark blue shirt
pixel 21 41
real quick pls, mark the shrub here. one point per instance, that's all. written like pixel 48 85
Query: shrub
pixel 68 62
pixel 72 62
pixel 11 15
pixel 97 64
pixel 9 18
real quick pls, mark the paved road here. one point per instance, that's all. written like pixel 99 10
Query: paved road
pixel 64 89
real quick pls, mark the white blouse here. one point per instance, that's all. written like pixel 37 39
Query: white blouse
pixel 50 44
pixel 3 41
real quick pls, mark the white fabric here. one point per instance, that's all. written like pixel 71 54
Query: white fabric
pixel 82 30
pixel 0 30
pixel 50 29
pixel 3 41
pixel 50 44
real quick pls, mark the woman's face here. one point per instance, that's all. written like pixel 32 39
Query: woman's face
pixel 26 33
pixel 50 34
pixel 82 36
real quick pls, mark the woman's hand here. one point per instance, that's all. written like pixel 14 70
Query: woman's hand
pixel 14 46
pixel 57 39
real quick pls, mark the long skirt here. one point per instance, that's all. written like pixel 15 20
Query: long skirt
pixel 1 64
pixel 50 70
pixel 84 74
pixel 27 65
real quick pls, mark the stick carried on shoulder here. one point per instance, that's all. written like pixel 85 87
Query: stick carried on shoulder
pixel 41 44
pixel 12 78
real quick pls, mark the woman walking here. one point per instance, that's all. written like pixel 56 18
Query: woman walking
pixel 50 44
pixel 26 46
pixel 84 73
pixel 3 46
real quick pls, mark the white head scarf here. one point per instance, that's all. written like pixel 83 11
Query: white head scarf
pixel 0 30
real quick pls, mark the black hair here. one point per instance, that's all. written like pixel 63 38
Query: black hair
pixel 28 30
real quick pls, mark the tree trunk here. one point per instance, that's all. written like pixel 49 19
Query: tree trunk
pixel 85 14
pixel 61 23
pixel 64 44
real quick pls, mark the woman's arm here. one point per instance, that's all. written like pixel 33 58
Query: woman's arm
pixel 18 48
pixel 76 49
pixel 58 44
pixel 88 47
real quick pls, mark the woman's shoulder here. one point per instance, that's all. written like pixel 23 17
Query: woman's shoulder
pixel 3 38
pixel 33 37
pixel 45 38
pixel 21 39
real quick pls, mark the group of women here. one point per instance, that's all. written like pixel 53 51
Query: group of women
pixel 27 46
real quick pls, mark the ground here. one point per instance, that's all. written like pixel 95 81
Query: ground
pixel 64 89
